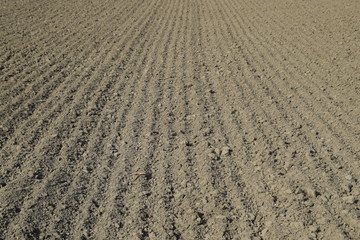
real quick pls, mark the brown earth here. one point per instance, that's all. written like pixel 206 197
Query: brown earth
pixel 180 119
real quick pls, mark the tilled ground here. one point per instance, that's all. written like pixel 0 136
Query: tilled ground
pixel 179 119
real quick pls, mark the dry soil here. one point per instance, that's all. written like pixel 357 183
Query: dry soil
pixel 179 119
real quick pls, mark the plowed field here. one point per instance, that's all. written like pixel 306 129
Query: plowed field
pixel 180 119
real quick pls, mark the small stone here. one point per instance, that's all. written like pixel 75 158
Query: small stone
pixel 346 188
pixel 3 128
pixel 183 184
pixel 298 225
pixel 217 151
pixel 313 228
pixel 349 199
pixel 152 236
pixel 269 223
pixel 215 192
pixel 208 236
pixel 146 193
pixel 348 177
pixel 220 217
pixel 2 183
pixel 38 175
pixel 355 191
pixel 287 165
pixel 311 192
pixel 56 236
pixel 189 117
pixel 251 217
pixel 207 131
pixel 225 151
pixel 179 195
pixel 345 212
pixel 212 156
pixel 264 231
pixel 288 191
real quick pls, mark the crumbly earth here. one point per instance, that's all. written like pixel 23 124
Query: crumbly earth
pixel 179 119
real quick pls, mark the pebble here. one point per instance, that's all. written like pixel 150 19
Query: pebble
pixel 146 193
pixel 207 131
pixel 345 212
pixel 220 217
pixel 217 151
pixel 2 184
pixel 313 228
pixel 268 223
pixel 346 187
pixel 179 195
pixel 349 199
pixel 257 168
pixel 288 191
pixel 225 151
pixel 212 156
pixel 297 225
pixel 152 236
pixel 311 192
pixel 251 217
pixel 264 231
pixel 348 177
pixel 287 165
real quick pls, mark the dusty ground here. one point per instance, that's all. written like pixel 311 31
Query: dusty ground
pixel 241 118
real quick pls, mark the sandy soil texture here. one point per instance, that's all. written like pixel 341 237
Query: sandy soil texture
pixel 179 119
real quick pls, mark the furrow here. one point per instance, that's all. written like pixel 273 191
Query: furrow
pixel 249 60
pixel 30 53
pixel 313 91
pixel 52 41
pixel 73 120
pixel 54 71
pixel 147 75
pixel 223 156
pixel 179 119
pixel 55 105
pixel 141 214
pixel 255 78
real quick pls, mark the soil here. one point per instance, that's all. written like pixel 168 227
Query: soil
pixel 179 119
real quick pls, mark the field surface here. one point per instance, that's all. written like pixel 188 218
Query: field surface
pixel 179 119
